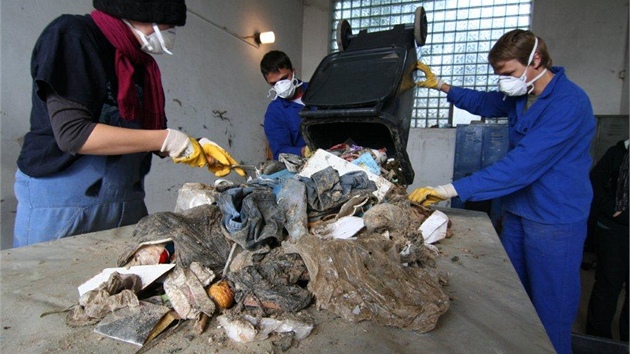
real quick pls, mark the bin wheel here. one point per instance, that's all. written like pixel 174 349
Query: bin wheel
pixel 343 34
pixel 420 26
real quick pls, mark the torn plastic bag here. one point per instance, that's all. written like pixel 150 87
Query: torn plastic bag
pixel 191 195
pixel 248 328
pixel 292 202
pixel 251 217
pixel 363 279
pixel 271 280
pixel 196 233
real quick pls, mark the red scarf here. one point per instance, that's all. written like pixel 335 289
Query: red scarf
pixel 128 58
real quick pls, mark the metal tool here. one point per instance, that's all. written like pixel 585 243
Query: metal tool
pixel 248 168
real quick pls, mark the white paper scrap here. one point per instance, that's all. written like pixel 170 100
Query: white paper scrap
pixel 344 228
pixel 347 227
pixel 434 227
pixel 147 273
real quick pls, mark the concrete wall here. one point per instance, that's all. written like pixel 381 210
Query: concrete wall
pixel 213 71
pixel 210 71
pixel 590 39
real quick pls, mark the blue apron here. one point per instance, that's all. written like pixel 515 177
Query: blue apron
pixel 95 193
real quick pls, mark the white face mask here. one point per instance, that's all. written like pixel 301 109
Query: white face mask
pixel 285 88
pixel 157 42
pixel 518 86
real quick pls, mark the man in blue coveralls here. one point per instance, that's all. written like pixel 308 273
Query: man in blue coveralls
pixel 543 179
pixel 282 122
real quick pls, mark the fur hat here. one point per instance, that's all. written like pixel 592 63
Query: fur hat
pixel 167 12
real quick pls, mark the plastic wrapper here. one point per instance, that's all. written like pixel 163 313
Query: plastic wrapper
pixel 364 279
pixel 191 195
pixel 292 201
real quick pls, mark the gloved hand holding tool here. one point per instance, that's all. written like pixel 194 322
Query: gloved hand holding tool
pixel 428 196
pixel 183 149
pixel 222 161
pixel 432 81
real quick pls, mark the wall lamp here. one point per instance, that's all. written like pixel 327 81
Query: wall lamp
pixel 258 38
pixel 262 38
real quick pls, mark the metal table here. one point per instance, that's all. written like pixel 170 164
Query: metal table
pixel 490 311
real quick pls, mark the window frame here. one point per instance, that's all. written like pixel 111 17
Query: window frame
pixel 458 56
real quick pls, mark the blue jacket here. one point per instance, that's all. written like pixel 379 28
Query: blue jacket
pixel 544 176
pixel 282 126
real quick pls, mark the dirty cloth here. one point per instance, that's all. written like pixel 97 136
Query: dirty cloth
pixel 196 234
pixel 251 217
pixel 364 279
pixel 272 280
pixel 119 291
pixel 326 190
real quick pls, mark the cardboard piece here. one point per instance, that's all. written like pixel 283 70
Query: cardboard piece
pixel 132 324
pixel 147 273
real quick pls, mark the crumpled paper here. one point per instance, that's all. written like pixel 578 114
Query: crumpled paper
pixel 185 288
pixel 119 291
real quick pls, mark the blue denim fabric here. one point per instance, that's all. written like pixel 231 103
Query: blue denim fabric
pixel 547 258
pixel 251 216
pixel 95 193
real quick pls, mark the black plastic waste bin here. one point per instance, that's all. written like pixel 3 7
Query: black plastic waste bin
pixel 364 93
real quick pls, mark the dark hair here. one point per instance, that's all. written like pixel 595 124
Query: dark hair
pixel 164 12
pixel 518 44
pixel 273 61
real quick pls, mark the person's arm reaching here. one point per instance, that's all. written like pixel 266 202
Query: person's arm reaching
pixel 76 133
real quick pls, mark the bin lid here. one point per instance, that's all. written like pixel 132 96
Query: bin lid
pixel 356 78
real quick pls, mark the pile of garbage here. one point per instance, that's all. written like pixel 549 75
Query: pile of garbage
pixel 304 234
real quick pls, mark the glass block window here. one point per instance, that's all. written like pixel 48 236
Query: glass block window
pixel 460 35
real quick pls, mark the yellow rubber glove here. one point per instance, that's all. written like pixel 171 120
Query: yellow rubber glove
pixel 183 149
pixel 193 155
pixel 306 152
pixel 431 81
pixel 223 161
pixel 428 196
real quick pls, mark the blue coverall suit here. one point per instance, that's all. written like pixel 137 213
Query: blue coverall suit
pixel 282 126
pixel 546 192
